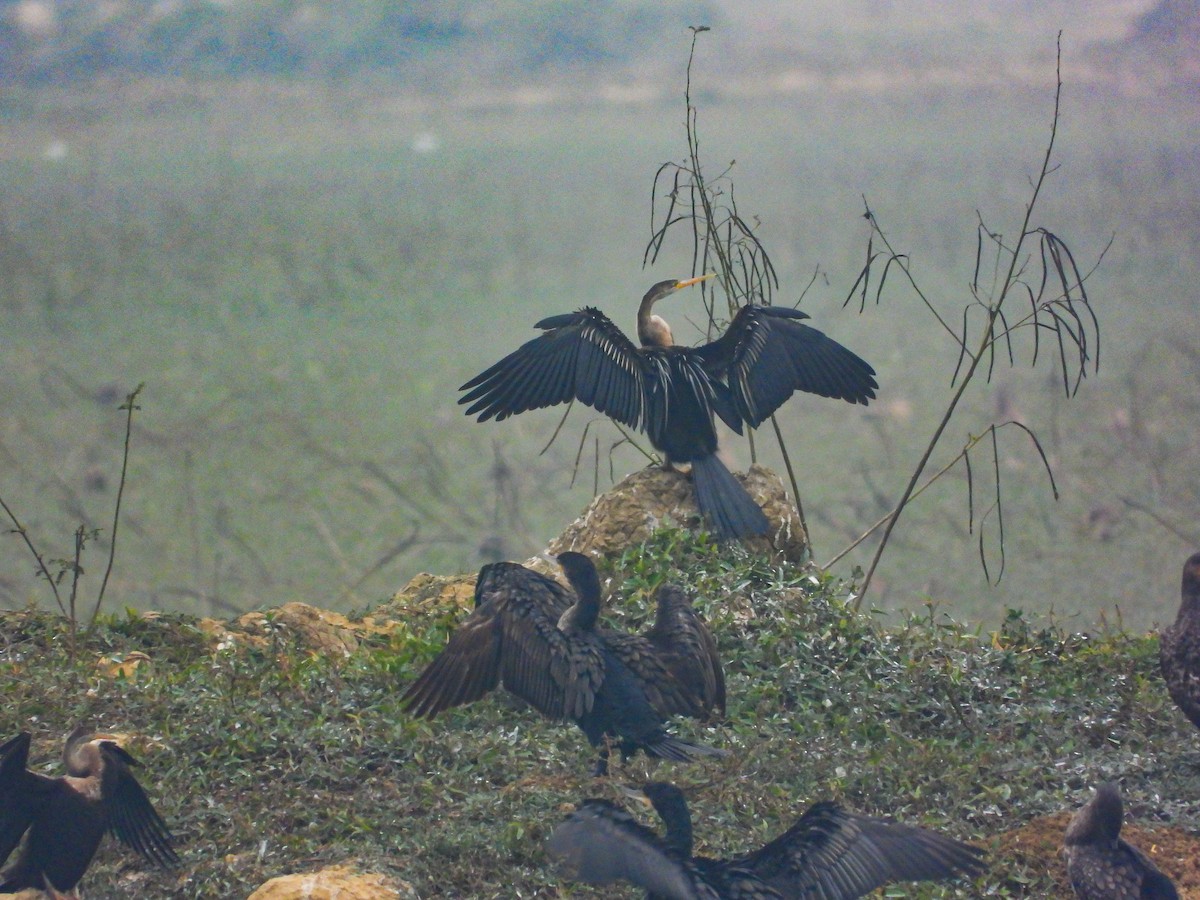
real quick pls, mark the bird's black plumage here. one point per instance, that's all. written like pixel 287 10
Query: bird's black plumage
pixel 673 393
pixel 828 854
pixel 543 644
pixel 1179 645
pixel 1100 864
pixel 65 818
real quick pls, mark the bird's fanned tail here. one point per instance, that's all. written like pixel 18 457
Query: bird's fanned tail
pixel 729 510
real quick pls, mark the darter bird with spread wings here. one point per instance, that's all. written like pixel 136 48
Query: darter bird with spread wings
pixel 66 817
pixel 828 854
pixel 543 644
pixel 673 393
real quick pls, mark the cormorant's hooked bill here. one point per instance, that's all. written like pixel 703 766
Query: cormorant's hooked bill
pixel 674 393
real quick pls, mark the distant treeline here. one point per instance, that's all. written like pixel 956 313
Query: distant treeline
pixel 62 41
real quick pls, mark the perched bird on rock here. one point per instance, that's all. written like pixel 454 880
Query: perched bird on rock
pixel 66 817
pixel 1101 865
pixel 543 644
pixel 828 854
pixel 1179 646
pixel 675 393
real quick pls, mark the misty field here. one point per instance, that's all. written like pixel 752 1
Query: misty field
pixel 302 277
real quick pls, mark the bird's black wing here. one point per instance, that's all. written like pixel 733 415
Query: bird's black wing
pixel 131 817
pixel 832 854
pixel 767 353
pixel 513 638
pixel 18 792
pixel 601 843
pixel 582 356
pixel 688 651
pixel 641 658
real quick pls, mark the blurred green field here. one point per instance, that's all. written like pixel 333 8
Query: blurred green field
pixel 303 276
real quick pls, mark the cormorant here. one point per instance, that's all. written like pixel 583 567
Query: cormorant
pixel 1179 646
pixel 673 393
pixel 66 817
pixel 542 643
pixel 828 854
pixel 1101 865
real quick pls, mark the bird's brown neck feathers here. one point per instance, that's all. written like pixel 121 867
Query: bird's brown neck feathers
pixel 652 330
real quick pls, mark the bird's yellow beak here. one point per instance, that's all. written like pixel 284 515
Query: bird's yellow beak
pixel 688 282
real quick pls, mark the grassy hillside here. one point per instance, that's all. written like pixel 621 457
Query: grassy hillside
pixel 275 759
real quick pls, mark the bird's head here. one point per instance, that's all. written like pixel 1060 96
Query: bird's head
pixel 670 286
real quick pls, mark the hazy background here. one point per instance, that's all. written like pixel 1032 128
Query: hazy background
pixel 303 225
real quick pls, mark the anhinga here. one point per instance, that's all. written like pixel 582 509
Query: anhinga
pixel 828 854
pixel 1179 646
pixel 66 817
pixel 543 644
pixel 672 392
pixel 1101 866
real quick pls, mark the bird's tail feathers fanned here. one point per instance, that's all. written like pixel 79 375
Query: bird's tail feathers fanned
pixel 681 750
pixel 726 506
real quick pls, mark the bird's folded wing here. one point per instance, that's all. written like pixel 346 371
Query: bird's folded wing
pixel 688 650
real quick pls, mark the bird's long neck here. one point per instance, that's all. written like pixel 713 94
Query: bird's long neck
pixel 677 820
pixel 1189 607
pixel 1099 821
pixel 81 756
pixel 584 614
pixel 652 330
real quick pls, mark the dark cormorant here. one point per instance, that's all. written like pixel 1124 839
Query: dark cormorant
pixel 542 643
pixel 673 393
pixel 1179 645
pixel 66 817
pixel 829 854
pixel 1101 865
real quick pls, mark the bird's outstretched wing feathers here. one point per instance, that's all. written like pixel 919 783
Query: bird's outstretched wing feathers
pixel 833 854
pixel 131 816
pixel 512 637
pixel 581 356
pixel 16 811
pixel 767 354
pixel 601 843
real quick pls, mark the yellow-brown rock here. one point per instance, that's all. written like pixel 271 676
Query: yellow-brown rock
pixel 126 666
pixel 333 883
pixel 655 497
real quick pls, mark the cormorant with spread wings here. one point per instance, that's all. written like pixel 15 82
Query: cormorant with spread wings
pixel 673 393
pixel 543 644
pixel 828 854
pixel 66 817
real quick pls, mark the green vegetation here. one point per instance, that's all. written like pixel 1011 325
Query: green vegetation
pixel 272 760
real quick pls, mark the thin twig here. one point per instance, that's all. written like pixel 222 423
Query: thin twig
pixel 985 341
pixel 129 406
